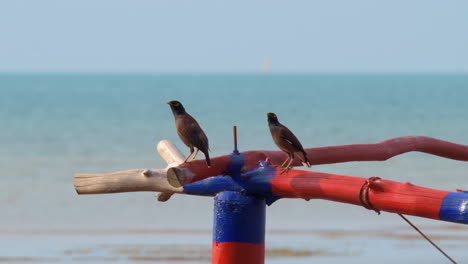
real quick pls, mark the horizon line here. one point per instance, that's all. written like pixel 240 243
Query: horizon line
pixel 232 72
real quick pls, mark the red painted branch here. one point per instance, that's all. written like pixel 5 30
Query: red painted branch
pixel 384 150
pixel 387 149
pixel 374 193
pixel 385 195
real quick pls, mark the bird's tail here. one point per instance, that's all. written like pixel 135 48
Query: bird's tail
pixel 207 158
pixel 304 159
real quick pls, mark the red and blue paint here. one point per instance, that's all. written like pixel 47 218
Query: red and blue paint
pixel 239 229
pixel 268 182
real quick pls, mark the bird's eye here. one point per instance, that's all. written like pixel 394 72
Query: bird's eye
pixel 176 104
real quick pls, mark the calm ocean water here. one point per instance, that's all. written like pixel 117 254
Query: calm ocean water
pixel 54 125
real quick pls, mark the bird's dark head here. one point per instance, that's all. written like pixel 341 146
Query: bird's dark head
pixel 176 107
pixel 272 118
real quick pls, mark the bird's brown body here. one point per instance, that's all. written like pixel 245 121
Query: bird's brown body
pixel 190 132
pixel 286 141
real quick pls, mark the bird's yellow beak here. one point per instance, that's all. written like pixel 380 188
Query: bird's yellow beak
pixel 168 102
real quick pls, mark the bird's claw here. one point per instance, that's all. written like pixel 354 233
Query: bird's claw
pixel 285 170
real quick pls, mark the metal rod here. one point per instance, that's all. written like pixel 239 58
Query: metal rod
pixel 234 130
pixel 428 239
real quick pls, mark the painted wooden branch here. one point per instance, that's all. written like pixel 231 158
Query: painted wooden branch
pixel 133 180
pixel 266 181
pixel 377 194
pixel 384 150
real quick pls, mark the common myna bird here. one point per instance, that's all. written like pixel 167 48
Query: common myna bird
pixel 189 131
pixel 287 142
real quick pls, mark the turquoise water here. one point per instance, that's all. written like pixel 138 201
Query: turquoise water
pixel 54 125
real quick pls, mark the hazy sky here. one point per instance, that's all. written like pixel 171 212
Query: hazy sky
pixel 225 36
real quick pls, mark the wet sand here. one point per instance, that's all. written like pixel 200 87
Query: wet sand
pixel 400 244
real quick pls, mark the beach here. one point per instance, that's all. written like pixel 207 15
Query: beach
pixel 55 125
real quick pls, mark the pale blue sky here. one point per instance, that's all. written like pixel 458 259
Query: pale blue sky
pixel 234 36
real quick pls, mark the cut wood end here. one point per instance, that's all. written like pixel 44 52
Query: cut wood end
pixel 77 179
pixel 174 177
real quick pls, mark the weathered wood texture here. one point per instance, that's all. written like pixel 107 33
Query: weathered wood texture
pixel 133 180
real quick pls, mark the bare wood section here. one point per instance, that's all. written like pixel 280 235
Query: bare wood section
pixel 135 180
pixel 173 157
pixel 170 153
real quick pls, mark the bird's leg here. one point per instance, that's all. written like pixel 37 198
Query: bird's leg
pixel 196 152
pixel 191 152
pixel 290 161
pixel 286 161
pixel 290 158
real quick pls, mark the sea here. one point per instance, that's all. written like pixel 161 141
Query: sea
pixel 56 124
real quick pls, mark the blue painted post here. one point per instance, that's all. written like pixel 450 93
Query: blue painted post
pixel 239 229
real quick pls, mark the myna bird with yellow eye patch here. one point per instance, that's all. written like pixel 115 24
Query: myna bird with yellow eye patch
pixel 287 142
pixel 189 131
